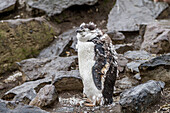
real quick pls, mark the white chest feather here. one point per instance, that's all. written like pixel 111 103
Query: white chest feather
pixel 86 56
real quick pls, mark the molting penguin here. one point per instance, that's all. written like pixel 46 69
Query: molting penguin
pixel 97 63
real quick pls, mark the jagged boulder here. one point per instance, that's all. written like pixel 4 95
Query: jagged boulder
pixel 52 7
pixel 157 37
pixel 139 98
pixel 127 15
pixel 37 68
pixel 23 38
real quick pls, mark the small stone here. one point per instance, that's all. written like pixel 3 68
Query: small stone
pixel 45 97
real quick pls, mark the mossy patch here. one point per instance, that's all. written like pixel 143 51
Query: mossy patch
pixel 22 41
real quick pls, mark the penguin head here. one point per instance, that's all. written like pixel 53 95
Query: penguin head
pixel 87 32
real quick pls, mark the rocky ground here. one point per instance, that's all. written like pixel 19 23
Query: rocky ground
pixel 39 64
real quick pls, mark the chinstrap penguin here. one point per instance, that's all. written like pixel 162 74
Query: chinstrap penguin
pixel 97 64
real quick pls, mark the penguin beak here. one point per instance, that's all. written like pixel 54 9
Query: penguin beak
pixel 78 30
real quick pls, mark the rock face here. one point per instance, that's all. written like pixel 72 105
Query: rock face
pixel 7 5
pixel 137 99
pixel 157 37
pixel 36 68
pixel 63 43
pixel 52 7
pixel 156 69
pixel 68 81
pixel 23 38
pixel 127 15
pixel 45 97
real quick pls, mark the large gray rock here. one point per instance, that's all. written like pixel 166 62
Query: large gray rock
pixel 61 44
pixel 36 68
pixel 157 37
pixel 45 97
pixel 26 90
pixel 127 15
pixel 139 98
pixel 156 69
pixel 52 7
pixel 62 80
pixel 7 5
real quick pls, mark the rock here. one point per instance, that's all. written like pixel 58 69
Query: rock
pixel 45 97
pixel 116 37
pixel 122 61
pixel 3 107
pixel 136 58
pixel 7 5
pixel 128 15
pixel 53 7
pixel 156 69
pixel 122 48
pixel 139 98
pixel 21 39
pixel 25 97
pixel 36 68
pixel 126 83
pixel 26 90
pixel 62 80
pixel 68 81
pixel 12 107
pixel 132 67
pixel 138 55
pixel 27 109
pixel 157 37
pixel 65 42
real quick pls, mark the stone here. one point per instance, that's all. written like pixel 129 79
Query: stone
pixel 138 55
pixel 116 37
pixel 132 67
pixel 45 97
pixel 138 99
pixel 13 107
pixel 122 61
pixel 7 5
pixel 26 91
pixel 156 69
pixel 135 59
pixel 122 48
pixel 62 44
pixel 23 38
pixel 157 37
pixel 126 83
pixel 37 68
pixel 68 81
pixel 53 7
pixel 25 97
pixel 27 109
pixel 62 80
pixel 127 15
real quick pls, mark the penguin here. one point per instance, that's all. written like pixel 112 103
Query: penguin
pixel 97 64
